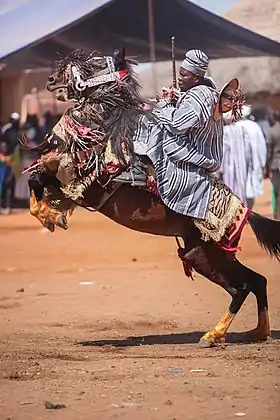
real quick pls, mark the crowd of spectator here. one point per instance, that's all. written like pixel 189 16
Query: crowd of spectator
pixel 14 158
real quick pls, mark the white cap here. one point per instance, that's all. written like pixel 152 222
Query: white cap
pixel 246 111
pixel 15 116
pixel 227 117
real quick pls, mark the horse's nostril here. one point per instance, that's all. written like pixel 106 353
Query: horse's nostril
pixel 51 79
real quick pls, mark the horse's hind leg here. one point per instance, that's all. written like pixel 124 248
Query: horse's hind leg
pixel 209 261
pixel 218 333
pixel 258 286
pixel 238 281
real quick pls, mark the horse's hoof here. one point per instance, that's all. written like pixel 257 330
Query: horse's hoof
pixel 62 222
pixel 204 343
pixel 255 336
pixel 211 341
pixel 49 225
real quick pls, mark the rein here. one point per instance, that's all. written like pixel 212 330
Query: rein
pixel 105 197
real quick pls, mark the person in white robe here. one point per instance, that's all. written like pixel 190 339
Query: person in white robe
pixel 237 158
pixel 256 139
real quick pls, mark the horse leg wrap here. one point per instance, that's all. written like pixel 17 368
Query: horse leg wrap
pixel 219 331
pixel 47 216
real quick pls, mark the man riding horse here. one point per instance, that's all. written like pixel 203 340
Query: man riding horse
pixel 185 146
pixel 186 143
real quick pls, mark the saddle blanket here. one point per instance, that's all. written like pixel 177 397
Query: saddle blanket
pixel 225 218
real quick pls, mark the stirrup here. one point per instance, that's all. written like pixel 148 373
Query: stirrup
pixel 129 177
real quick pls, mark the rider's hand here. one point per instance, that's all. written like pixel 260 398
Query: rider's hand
pixel 171 94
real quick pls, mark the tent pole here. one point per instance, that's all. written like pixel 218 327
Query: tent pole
pixel 152 44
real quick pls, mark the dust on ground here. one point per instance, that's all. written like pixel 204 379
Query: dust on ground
pixel 102 319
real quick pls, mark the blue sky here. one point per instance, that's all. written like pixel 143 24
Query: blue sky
pixel 215 6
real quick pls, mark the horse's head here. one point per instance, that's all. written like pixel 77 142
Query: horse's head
pixel 80 74
pixel 107 94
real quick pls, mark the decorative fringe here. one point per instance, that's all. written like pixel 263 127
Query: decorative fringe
pixel 110 158
pixel 57 201
pixel 74 191
pixel 214 227
pixel 238 100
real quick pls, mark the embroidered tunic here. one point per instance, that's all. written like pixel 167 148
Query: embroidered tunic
pixel 186 147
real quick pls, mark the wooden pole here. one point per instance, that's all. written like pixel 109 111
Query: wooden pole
pixel 152 43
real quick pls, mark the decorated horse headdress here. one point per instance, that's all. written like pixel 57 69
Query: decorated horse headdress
pixel 81 74
pixel 106 93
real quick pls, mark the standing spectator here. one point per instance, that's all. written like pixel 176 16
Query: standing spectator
pixel 237 158
pixel 256 139
pixel 272 169
pixel 33 135
pixel 6 176
pixel 32 129
pixel 260 116
pixel 10 134
pixel 47 122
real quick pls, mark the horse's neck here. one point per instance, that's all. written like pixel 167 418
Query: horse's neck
pixel 92 115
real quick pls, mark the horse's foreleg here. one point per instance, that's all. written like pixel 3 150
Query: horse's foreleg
pixel 46 215
pixel 36 211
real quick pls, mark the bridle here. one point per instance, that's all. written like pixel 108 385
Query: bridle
pixel 80 84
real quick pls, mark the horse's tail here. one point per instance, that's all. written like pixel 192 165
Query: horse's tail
pixel 267 232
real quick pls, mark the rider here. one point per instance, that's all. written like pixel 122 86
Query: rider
pixel 185 143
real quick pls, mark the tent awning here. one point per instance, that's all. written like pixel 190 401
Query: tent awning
pixel 35 32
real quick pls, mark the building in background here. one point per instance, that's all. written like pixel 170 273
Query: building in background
pixel 260 76
pixel 35 31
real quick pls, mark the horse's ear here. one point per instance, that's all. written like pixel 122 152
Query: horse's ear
pixel 119 55
pixel 122 52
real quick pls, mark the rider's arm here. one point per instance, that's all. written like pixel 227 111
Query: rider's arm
pixel 178 120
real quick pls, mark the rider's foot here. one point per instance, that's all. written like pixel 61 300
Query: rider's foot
pixel 135 176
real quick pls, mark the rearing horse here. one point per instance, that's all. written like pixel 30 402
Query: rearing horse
pixel 107 104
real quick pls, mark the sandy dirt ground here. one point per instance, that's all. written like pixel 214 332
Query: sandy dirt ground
pixel 102 319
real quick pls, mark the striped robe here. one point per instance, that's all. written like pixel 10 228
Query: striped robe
pixel 185 146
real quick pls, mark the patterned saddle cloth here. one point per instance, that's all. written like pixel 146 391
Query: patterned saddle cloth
pixel 225 218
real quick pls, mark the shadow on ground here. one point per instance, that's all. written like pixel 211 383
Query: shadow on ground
pixel 184 338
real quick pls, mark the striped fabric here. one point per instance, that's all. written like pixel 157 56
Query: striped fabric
pixel 196 62
pixel 185 147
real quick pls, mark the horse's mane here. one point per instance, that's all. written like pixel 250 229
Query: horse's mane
pixel 121 101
